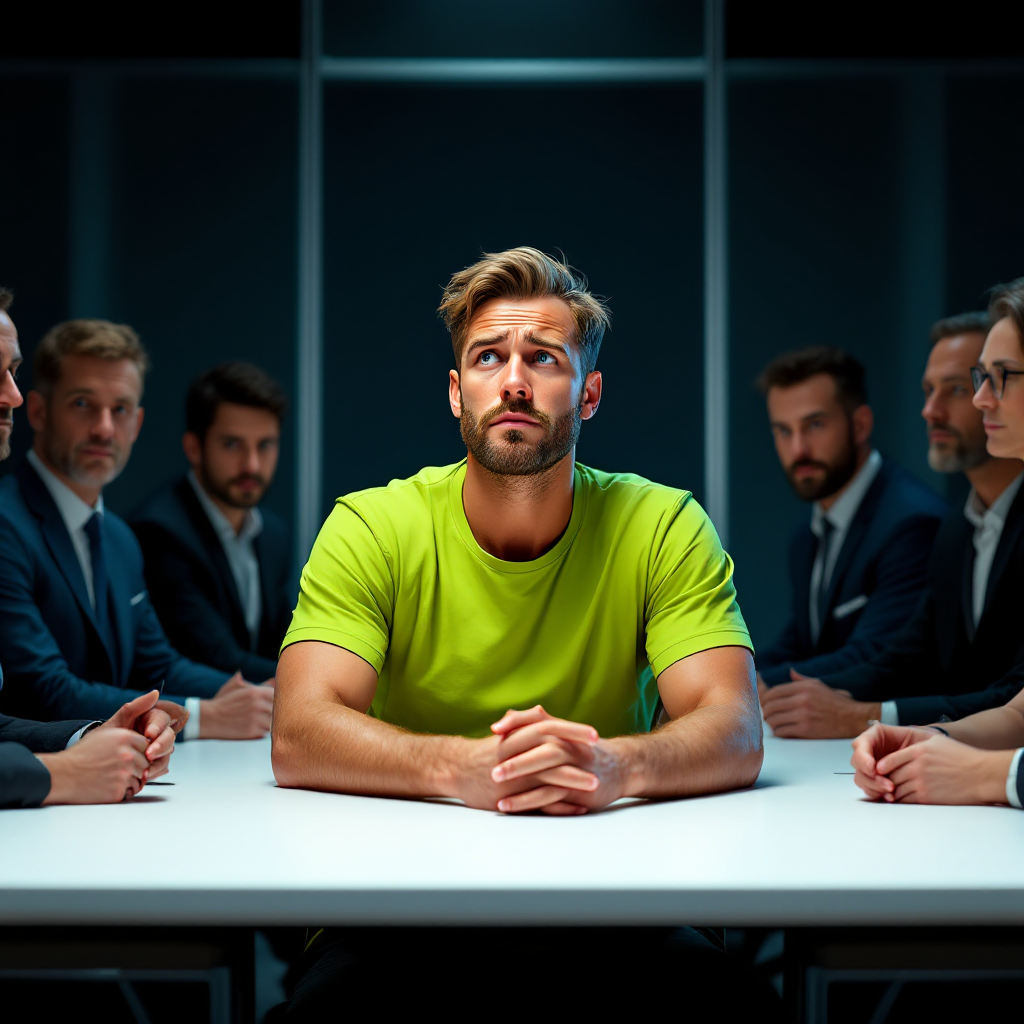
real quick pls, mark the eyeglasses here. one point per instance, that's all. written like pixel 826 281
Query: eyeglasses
pixel 996 379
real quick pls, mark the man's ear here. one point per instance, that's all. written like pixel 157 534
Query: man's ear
pixel 591 395
pixel 454 394
pixel 863 424
pixel 193 449
pixel 35 410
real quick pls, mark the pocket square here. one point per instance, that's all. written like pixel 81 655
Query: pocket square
pixel 849 607
pixel 138 597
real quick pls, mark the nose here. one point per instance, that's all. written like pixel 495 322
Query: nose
pixel 10 395
pixel 103 425
pixel 933 411
pixel 252 460
pixel 798 444
pixel 514 383
pixel 985 397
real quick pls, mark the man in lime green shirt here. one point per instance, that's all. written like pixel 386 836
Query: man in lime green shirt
pixel 501 630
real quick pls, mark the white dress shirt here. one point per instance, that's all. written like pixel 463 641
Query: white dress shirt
pixel 241 556
pixel 75 513
pixel 988 526
pixel 840 516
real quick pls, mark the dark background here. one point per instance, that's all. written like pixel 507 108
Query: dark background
pixel 149 174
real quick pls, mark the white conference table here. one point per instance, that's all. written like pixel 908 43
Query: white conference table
pixel 225 846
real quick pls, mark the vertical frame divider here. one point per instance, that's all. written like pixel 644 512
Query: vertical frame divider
pixel 309 404
pixel 716 294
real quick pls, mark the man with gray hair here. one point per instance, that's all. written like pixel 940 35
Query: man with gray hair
pixel 75 762
pixel 78 633
pixel 956 654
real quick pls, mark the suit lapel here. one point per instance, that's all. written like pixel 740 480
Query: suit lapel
pixel 1007 542
pixel 802 570
pixel 967 588
pixel 851 542
pixel 59 542
pixel 120 611
pixel 214 550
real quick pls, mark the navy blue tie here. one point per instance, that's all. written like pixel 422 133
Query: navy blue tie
pixel 94 531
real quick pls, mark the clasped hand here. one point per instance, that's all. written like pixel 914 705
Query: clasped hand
pixel 905 764
pixel 535 762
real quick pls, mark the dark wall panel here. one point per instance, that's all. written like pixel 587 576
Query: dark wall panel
pixel 420 180
pixel 34 184
pixel 203 249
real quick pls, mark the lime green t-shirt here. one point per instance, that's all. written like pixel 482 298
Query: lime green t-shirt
pixel 637 581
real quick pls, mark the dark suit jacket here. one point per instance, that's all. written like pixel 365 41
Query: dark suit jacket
pixel 24 780
pixel 878 577
pixel 194 592
pixel 938 664
pixel 57 665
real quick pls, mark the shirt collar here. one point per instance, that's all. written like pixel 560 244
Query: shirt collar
pixel 841 514
pixel 252 524
pixel 995 515
pixel 75 512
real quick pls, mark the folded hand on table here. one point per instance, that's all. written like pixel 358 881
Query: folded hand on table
pixel 903 764
pixel 538 762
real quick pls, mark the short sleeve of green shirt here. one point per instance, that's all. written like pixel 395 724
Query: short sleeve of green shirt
pixel 346 595
pixel 691 599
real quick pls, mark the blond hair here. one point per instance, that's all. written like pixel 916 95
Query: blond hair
pixel 524 273
pixel 99 338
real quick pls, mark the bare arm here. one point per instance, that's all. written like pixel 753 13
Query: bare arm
pixel 713 742
pixel 995 729
pixel 323 739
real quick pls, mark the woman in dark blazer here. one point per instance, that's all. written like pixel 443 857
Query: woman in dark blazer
pixel 976 760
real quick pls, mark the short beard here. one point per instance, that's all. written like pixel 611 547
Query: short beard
pixel 222 492
pixel 837 474
pixel 516 456
pixel 958 460
pixel 5 445
pixel 64 462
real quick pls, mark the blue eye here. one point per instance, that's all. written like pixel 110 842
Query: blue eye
pixel 484 357
pixel 545 356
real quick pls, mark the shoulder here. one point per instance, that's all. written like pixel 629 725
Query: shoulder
pixel 12 497
pixel 905 497
pixel 163 508
pixel 627 491
pixel 120 533
pixel 402 507
pixel 649 509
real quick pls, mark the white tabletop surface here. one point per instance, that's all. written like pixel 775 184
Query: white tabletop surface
pixel 224 845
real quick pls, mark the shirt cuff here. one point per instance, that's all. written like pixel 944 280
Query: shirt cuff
pixel 191 730
pixel 1012 796
pixel 890 715
pixel 76 736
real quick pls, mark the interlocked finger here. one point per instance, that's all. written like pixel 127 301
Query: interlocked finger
pixel 531 799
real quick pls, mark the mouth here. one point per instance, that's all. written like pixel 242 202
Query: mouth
pixel 97 453
pixel 513 419
pixel 939 436
pixel 989 427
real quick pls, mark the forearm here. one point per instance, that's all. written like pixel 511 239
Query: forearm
pixel 329 746
pixel 996 729
pixel 711 749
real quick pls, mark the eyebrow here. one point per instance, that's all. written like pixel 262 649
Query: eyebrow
pixel 92 391
pixel 530 338
pixel 803 419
